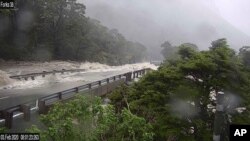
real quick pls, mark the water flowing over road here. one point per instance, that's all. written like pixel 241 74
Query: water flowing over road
pixel 21 91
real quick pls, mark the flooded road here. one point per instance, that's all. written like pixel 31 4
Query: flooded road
pixel 22 91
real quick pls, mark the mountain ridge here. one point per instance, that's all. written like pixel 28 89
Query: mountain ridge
pixel 175 22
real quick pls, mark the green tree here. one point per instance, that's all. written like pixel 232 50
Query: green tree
pixel 168 51
pixel 245 55
pixel 187 50
pixel 177 96
pixel 86 119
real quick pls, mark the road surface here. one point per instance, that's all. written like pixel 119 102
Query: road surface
pixel 13 97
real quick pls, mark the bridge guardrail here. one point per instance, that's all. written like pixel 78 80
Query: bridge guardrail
pixel 46 101
pixel 43 74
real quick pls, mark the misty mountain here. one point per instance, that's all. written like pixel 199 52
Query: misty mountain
pixel 177 21
pixel 59 30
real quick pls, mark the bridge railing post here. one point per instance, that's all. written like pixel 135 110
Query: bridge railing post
pixel 8 116
pixel 128 76
pixel 89 86
pixel 62 72
pixel 43 75
pixel 54 72
pixel 60 95
pixel 41 107
pixel 77 90
pixel 26 112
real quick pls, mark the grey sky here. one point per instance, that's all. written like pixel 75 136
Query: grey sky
pixel 152 22
pixel 236 12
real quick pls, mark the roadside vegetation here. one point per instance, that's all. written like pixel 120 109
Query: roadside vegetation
pixel 178 98
pixel 3 129
pixel 87 119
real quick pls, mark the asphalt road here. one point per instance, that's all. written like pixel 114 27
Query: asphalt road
pixel 13 97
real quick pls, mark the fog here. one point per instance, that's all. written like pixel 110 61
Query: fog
pixel 177 21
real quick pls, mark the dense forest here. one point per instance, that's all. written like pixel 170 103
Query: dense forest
pixel 44 30
pixel 178 98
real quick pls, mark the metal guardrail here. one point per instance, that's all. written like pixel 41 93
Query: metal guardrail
pixel 46 101
pixel 33 75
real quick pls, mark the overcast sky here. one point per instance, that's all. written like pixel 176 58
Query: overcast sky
pixel 237 12
pixel 234 11
pixel 152 22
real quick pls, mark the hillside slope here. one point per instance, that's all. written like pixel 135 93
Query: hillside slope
pixel 176 21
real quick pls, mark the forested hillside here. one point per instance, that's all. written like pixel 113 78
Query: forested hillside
pixel 44 30
pixel 178 99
